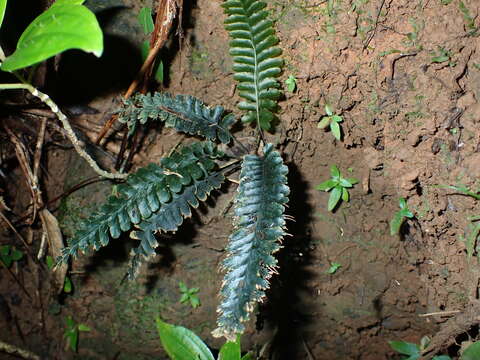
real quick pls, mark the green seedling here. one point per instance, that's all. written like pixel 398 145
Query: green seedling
pixel 474 226
pixel 413 36
pixel 442 55
pixel 334 266
pixel 8 254
pixel 469 19
pixel 72 332
pixel 189 295
pixel 67 286
pixel 338 186
pixel 291 83
pixel 332 121
pixel 400 216
pixel 414 351
pixel 145 20
pixel 182 343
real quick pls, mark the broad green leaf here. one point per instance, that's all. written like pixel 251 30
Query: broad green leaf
pixel 328 110
pixel 72 338
pixel 402 203
pixel 396 223
pixel 182 286
pixel 440 59
pixel 334 171
pixel 345 195
pixel 145 49
pixel 291 83
pixel 70 323
pixel 67 286
pixel 3 6
pixel 334 266
pixel 230 351
pixel 345 183
pixel 65 25
pixel 181 343
pixel 334 197
pixel 50 262
pixel 159 71
pixel 337 118
pixel 248 356
pixel 194 301
pixel 472 352
pixel 326 185
pixel 68 2
pixel 184 298
pixel 337 133
pixel 145 20
pixel 352 181
pixel 324 122
pixel 405 348
pixel 83 327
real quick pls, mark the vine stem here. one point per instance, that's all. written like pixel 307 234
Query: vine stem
pixel 66 125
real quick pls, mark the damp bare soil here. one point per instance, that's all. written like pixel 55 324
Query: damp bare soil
pixel 405 77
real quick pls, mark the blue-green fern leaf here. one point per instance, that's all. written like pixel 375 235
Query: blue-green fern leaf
pixel 143 194
pixel 259 226
pixel 170 217
pixel 256 59
pixel 184 113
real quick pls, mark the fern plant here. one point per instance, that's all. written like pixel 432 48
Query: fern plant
pixel 158 198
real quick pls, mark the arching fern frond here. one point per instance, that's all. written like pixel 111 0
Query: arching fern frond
pixel 144 194
pixel 169 218
pixel 256 59
pixel 259 225
pixel 184 113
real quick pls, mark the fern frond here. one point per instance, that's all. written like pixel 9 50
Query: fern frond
pixel 259 225
pixel 144 193
pixel 184 113
pixel 169 218
pixel 256 59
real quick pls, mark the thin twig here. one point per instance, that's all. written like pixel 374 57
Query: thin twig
pixel 440 313
pixel 66 124
pixel 14 350
pixel 374 31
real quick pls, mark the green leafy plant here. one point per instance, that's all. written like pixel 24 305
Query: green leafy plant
pixel 468 18
pixel 441 56
pixel 334 266
pixel 189 295
pixel 72 332
pixel 414 351
pixel 67 285
pixel 338 186
pixel 332 121
pixel 159 197
pixel 183 344
pixel 400 216
pixel 291 83
pixel 8 254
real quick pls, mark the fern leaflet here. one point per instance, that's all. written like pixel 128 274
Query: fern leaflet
pixel 256 59
pixel 144 193
pixel 259 225
pixel 184 113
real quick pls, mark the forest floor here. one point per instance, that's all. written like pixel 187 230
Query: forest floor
pixel 405 77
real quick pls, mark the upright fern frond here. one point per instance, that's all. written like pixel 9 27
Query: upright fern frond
pixel 259 225
pixel 184 113
pixel 256 62
pixel 146 192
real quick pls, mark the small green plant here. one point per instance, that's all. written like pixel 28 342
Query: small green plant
pixel 445 2
pixel 291 83
pixel 442 55
pixel 474 227
pixel 468 18
pixel 67 285
pixel 400 216
pixel 332 121
pixel 72 332
pixel 8 254
pixel 183 344
pixel 414 351
pixel 338 186
pixel 189 295
pixel 334 266
pixel 413 36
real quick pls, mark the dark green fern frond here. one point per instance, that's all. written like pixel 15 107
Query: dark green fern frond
pixel 259 225
pixel 184 113
pixel 255 56
pixel 144 193
pixel 170 217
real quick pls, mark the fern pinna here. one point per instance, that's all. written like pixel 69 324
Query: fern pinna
pixel 259 226
pixel 256 59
